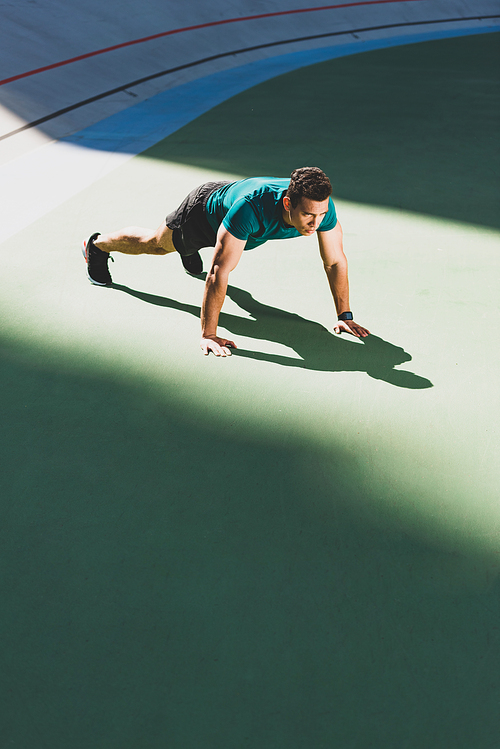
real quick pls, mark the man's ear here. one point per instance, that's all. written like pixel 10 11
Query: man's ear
pixel 287 203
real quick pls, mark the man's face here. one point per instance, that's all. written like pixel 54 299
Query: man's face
pixel 307 214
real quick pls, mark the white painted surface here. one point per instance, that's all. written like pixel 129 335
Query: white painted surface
pixel 36 33
pixel 39 173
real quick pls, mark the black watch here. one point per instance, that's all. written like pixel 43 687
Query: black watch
pixel 346 316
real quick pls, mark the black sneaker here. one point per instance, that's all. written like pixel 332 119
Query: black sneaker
pixel 193 264
pixel 97 262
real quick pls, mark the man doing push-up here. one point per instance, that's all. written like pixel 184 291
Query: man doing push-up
pixel 233 217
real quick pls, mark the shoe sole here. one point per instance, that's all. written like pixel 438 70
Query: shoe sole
pixel 84 253
pixel 195 274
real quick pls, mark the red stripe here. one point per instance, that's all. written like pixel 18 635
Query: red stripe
pixel 193 28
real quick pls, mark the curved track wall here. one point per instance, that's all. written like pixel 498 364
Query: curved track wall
pixel 117 79
pixel 67 65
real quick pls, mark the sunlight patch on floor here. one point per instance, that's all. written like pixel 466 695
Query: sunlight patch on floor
pixel 412 279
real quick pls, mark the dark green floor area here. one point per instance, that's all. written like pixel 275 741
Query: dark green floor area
pixel 412 127
pixel 152 600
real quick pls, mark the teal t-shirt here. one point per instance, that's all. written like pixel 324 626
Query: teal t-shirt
pixel 252 209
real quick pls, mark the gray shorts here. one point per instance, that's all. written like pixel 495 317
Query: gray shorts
pixel 190 228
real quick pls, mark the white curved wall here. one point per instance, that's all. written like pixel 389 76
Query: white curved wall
pixel 39 33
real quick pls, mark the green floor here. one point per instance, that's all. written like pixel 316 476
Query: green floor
pixel 296 547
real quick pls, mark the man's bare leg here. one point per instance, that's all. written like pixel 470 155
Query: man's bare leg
pixel 133 240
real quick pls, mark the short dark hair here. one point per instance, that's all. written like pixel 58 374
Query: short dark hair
pixel 308 182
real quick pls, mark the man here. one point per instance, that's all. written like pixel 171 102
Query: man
pixel 233 217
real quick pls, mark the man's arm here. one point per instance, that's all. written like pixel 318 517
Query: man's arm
pixel 227 254
pixel 335 264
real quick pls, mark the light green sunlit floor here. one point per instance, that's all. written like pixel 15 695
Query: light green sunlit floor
pixel 296 547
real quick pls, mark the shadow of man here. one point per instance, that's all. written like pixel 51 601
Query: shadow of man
pixel 318 349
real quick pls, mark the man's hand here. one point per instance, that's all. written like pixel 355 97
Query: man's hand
pixel 216 345
pixel 349 326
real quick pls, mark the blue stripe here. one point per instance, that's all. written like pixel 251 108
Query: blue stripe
pixel 137 128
